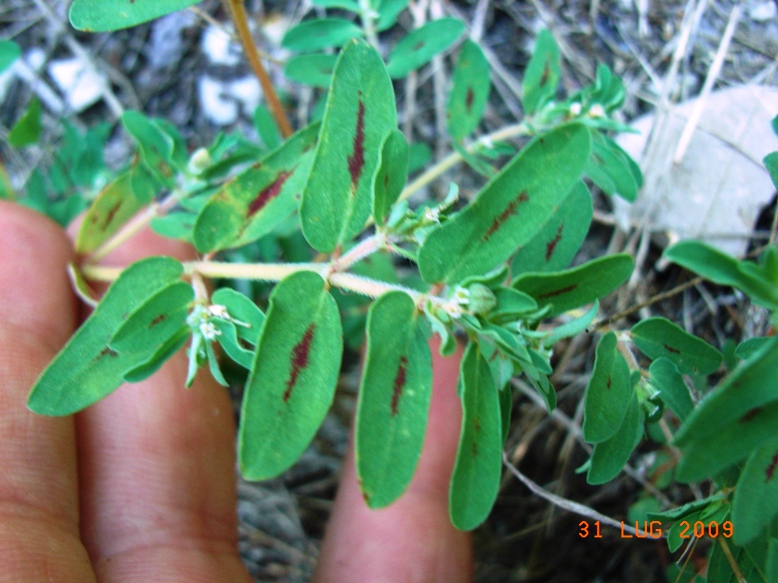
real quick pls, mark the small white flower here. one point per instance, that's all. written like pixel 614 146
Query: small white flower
pixel 432 214
pixel 218 311
pixel 575 108
pixel 596 110
pixel 462 296
pixel 209 331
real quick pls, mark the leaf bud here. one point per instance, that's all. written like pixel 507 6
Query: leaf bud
pixel 482 300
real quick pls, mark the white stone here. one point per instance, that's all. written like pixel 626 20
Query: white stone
pixel 219 110
pixel 219 48
pixel 81 85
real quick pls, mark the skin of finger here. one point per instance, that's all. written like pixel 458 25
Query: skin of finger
pixel 39 536
pixel 157 471
pixel 412 540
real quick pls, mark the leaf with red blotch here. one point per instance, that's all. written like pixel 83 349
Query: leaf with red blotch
pixel 659 337
pixel 469 91
pixel 542 75
pixel 608 393
pixel 390 174
pixel 510 210
pixel 360 111
pixel 576 287
pixel 557 243
pixel 476 476
pixel 394 399
pixel 256 201
pixel 756 496
pixel 419 46
pixel 293 377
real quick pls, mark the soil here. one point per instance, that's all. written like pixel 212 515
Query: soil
pixel 164 69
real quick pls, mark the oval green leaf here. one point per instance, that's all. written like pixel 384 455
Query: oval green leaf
pixel 259 199
pixel 388 11
pixel 314 70
pixel 106 15
pixel 659 337
pixel 292 382
pixel 612 169
pixel 469 91
pixel 390 174
pixel 360 111
pixel 572 288
pixel 27 130
pixel 394 399
pixel 756 496
pixel 672 389
pixel 610 456
pixel 321 33
pixel 542 75
pixel 156 146
pixel 556 244
pixel 87 369
pixel 476 477
pixel 155 320
pixel 742 393
pixel 418 48
pixel 608 393
pixel 9 52
pixel 511 209
pixel 727 444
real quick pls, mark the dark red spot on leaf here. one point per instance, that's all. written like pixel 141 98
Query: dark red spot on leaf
pixel 608 384
pixel 558 292
pixel 475 449
pixel 111 214
pixel 551 245
pixel 505 215
pixel 256 165
pixel 597 159
pixel 546 74
pixel 671 349
pixel 157 320
pixel 386 180
pixel 418 45
pixel 299 360
pixel 268 193
pixel 476 424
pixel 750 415
pixel 107 352
pixel 469 97
pixel 357 159
pixel 770 471
pixel 399 384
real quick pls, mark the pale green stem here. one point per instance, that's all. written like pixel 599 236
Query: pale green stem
pixel 254 271
pixel 365 247
pixel 368 21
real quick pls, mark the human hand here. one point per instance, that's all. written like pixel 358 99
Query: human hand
pixel 141 486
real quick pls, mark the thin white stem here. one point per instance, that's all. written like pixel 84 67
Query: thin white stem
pixel 365 247
pixel 254 271
pixel 564 503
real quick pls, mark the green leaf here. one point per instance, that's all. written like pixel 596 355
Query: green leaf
pixel 388 11
pixel 542 75
pixel 315 70
pixel 86 369
pixel 419 156
pixel 506 405
pixel 469 91
pixel 418 48
pixel 771 163
pixel 155 144
pixel 612 169
pixel 573 327
pixel 321 33
pixel 756 496
pixel 155 320
pixel 28 129
pixel 672 389
pixel 572 288
pixel 9 52
pixel 659 337
pixel 242 309
pixel 511 304
pixel 556 244
pixel 394 399
pixel 292 383
pixel 154 362
pixel 511 209
pixel 771 566
pixel 728 444
pixel 608 393
pixel 748 348
pixel 267 127
pixel 753 384
pixel 106 15
pixel 390 174
pixel 259 199
pixel 360 111
pixel 722 269
pixel 116 204
pixel 476 477
pixel 175 225
pixel 610 456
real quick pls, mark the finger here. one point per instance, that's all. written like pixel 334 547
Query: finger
pixel 38 485
pixel 413 539
pixel 158 472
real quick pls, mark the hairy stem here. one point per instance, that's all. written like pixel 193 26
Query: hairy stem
pixel 242 26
